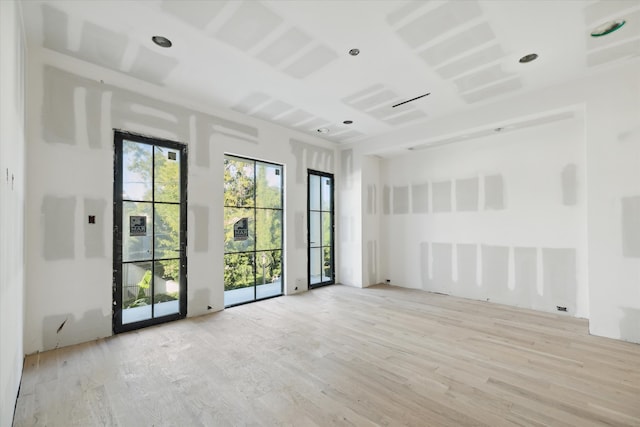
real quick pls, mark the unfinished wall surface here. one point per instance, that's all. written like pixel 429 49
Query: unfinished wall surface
pixel 372 263
pixel 348 217
pixel 592 190
pixel 490 197
pixel 74 107
pixel 613 162
pixel 12 205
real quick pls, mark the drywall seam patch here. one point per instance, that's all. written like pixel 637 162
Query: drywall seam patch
pixel 631 227
pixel 200 227
pixel 94 241
pixel 569 185
pixel 441 196
pixel 401 200
pixel 59 227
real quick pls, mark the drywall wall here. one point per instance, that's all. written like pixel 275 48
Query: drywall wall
pixel 490 197
pixel 602 182
pixel 348 216
pixel 12 205
pixel 613 165
pixel 372 263
pixel 73 108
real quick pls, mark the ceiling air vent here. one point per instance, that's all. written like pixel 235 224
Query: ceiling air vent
pixel 410 100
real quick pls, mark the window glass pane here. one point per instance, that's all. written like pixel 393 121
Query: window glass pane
pixel 315 265
pixel 327 262
pixel 166 284
pixel 268 229
pixel 167 175
pixel 137 231
pixel 269 273
pixel 136 291
pixel 136 171
pixel 314 229
pixel 314 192
pixel 238 278
pixel 268 186
pixel 326 193
pixel 167 231
pixel 238 182
pixel 326 229
pixel 239 231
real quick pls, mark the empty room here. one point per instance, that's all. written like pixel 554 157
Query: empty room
pixel 319 212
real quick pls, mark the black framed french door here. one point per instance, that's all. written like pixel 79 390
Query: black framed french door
pixel 253 224
pixel 149 231
pixel 320 229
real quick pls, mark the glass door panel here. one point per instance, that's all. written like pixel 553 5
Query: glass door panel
pixel 149 232
pixel 253 223
pixel 137 246
pixel 136 287
pixel 239 229
pixel 320 220
pixel 166 287
pixel 315 266
pixel 315 231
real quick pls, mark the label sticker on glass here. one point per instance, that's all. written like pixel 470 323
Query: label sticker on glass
pixel 171 155
pixel 137 225
pixel 241 229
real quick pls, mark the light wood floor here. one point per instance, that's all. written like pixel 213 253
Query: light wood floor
pixel 342 356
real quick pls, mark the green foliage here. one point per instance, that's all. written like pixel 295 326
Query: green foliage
pixel 144 284
pixel 146 300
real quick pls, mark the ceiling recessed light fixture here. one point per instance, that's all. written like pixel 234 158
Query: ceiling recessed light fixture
pixel 348 122
pixel 323 130
pixel 528 58
pixel 607 28
pixel 162 41
pixel 354 52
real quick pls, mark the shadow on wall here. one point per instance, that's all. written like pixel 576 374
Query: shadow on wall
pixel 630 325
pixel 61 330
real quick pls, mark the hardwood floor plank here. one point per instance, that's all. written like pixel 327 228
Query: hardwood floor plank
pixel 346 357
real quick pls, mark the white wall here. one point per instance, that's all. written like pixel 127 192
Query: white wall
pixel 373 262
pixel 12 204
pixel 500 218
pixel 613 165
pixel 608 178
pixel 348 220
pixel 70 162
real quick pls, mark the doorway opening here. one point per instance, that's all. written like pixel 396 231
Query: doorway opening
pixel 253 230
pixel 150 232
pixel 320 229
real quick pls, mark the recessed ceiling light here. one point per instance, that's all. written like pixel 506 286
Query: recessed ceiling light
pixel 162 41
pixel 348 122
pixel 607 28
pixel 323 130
pixel 528 58
pixel 354 52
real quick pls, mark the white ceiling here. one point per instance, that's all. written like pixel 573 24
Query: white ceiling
pixel 287 61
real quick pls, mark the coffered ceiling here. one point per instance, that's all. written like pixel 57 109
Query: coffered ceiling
pixel 288 62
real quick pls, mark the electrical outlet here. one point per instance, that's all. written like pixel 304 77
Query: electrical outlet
pixel 560 308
